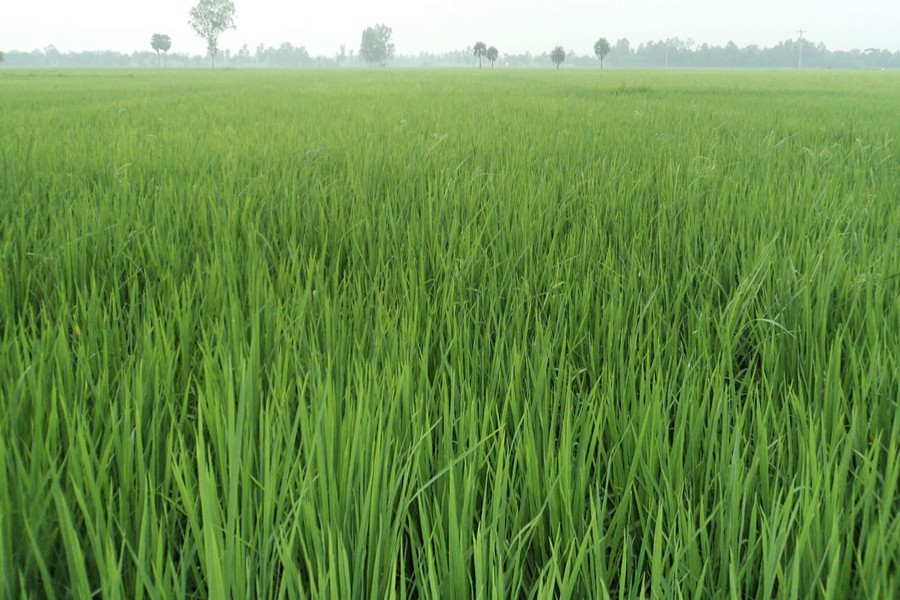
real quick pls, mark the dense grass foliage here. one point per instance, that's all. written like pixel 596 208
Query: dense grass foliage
pixel 449 334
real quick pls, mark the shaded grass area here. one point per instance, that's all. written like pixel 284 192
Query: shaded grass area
pixel 449 334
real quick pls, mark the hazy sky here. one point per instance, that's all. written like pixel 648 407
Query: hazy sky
pixel 514 26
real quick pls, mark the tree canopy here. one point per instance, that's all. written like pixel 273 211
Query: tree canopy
pixel 558 56
pixel 601 49
pixel 480 50
pixel 211 18
pixel 376 47
pixel 161 42
pixel 492 55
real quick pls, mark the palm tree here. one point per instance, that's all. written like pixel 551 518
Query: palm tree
pixel 492 55
pixel 161 41
pixel 480 51
pixel 558 56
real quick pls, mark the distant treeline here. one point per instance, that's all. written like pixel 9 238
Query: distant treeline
pixel 672 53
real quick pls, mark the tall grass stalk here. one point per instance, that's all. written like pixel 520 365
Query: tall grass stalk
pixel 439 334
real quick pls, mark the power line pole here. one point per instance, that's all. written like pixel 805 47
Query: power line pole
pixel 800 63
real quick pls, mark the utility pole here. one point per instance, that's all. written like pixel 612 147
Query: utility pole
pixel 800 63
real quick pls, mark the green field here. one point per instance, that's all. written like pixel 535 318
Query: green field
pixel 449 334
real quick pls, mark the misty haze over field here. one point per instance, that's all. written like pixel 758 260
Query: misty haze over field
pixel 432 26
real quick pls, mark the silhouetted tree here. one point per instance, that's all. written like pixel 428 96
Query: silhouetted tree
pixel 480 51
pixel 211 18
pixel 601 49
pixel 161 42
pixel 558 56
pixel 492 55
pixel 376 46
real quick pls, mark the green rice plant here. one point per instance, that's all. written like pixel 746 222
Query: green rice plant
pixel 420 334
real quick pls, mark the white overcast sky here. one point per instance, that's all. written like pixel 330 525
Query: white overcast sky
pixel 514 26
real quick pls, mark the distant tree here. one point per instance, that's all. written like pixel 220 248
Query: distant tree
pixel 376 47
pixel 161 42
pixel 211 18
pixel 52 55
pixel 558 56
pixel 243 58
pixel 2 58
pixel 623 46
pixel 480 50
pixel 601 49
pixel 492 55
